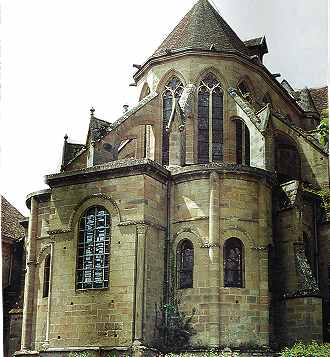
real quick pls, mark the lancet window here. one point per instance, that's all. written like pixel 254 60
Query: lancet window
pixel 185 264
pixel 210 120
pixel 93 249
pixel 172 93
pixel 242 143
pixel 233 263
pixel 45 290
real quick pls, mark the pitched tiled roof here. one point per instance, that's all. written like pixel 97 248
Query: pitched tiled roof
pixel 320 97
pixel 10 218
pixel 98 128
pixel 254 42
pixel 202 28
pixel 305 101
pixel 71 151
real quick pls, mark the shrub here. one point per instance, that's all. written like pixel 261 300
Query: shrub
pixel 314 349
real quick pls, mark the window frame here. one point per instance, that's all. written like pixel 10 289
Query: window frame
pixel 46 278
pixel 179 264
pixel 211 85
pixel 83 246
pixel 237 243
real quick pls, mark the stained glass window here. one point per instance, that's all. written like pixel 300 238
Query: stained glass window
pixel 210 118
pixel 173 89
pixel 233 263
pixel 93 249
pixel 242 139
pixel 185 264
pixel 45 290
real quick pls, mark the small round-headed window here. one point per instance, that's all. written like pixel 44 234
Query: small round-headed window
pixel 233 263
pixel 185 264
pixel 93 249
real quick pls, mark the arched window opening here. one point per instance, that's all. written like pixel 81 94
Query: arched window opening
pixel 245 91
pixel 309 249
pixel 242 143
pixel 45 290
pixel 267 99
pixel 233 263
pixel 210 120
pixel 173 90
pixel 185 264
pixel 93 249
pixel 287 159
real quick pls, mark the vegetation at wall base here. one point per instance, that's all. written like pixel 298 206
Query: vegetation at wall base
pixel 314 349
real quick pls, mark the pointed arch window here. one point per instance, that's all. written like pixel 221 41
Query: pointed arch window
pixel 242 143
pixel 93 249
pixel 210 120
pixel 45 290
pixel 185 264
pixel 233 263
pixel 172 93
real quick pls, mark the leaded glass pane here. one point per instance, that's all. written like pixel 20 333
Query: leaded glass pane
pixel 203 125
pixel 239 152
pixel 93 249
pixel 173 89
pixel 233 263
pixel 185 264
pixel 217 126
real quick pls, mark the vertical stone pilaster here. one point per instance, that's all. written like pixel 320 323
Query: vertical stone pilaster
pixel 141 230
pixel 141 142
pixel 214 261
pixel 30 277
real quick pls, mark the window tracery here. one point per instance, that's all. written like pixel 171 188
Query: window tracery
pixel 173 90
pixel 210 120
pixel 242 143
pixel 45 290
pixel 185 264
pixel 93 249
pixel 233 263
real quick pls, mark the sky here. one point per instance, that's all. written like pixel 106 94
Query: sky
pixel 59 58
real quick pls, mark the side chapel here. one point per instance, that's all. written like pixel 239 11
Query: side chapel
pixel 207 188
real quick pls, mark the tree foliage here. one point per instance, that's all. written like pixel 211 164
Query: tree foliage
pixel 323 127
pixel 299 349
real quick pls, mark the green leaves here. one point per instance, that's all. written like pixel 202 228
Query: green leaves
pixel 323 127
pixel 299 349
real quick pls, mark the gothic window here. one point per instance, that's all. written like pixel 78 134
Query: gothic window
pixel 242 143
pixel 93 249
pixel 45 290
pixel 210 120
pixel 245 91
pixel 185 264
pixel 173 90
pixel 233 263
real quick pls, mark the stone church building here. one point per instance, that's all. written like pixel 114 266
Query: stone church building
pixel 208 189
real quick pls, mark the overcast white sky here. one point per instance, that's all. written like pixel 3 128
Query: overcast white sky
pixel 61 57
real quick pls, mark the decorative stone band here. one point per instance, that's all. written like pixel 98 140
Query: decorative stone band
pixel 59 231
pixel 142 223
pixel 210 245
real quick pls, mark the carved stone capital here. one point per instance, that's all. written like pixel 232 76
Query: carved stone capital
pixel 141 229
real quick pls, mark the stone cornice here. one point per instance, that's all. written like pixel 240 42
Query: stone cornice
pixel 223 169
pixel 39 195
pixel 233 55
pixel 119 168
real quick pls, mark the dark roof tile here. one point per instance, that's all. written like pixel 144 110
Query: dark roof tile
pixel 201 28
pixel 320 97
pixel 10 218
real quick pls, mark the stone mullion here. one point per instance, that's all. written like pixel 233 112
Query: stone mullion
pixel 214 261
pixel 210 127
pixel 30 277
pixel 139 283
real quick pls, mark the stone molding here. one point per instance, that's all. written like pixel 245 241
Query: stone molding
pixel 142 222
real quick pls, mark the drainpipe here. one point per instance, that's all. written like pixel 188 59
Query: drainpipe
pixel 30 276
pixel 49 291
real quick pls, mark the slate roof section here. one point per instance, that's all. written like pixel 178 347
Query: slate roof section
pixel 201 28
pixel 305 101
pixel 98 128
pixel 71 151
pixel 10 218
pixel 320 98
pixel 254 42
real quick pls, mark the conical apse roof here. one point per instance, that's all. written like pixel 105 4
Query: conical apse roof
pixel 202 28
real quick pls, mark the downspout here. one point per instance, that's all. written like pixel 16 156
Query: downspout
pixel 49 291
pixel 316 239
